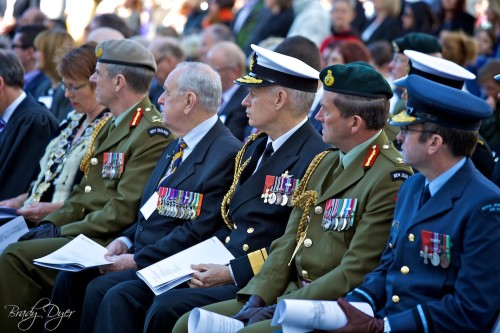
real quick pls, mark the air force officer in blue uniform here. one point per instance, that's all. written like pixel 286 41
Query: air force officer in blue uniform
pixel 440 270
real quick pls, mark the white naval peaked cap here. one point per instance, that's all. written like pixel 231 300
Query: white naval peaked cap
pixel 435 69
pixel 268 67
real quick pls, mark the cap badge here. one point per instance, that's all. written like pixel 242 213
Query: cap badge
pixel 403 117
pixel 98 51
pixel 329 79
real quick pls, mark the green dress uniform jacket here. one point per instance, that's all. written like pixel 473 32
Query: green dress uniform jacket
pixel 329 263
pixel 99 207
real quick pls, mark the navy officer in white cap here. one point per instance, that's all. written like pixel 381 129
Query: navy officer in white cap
pixel 255 209
pixel 440 271
pixel 453 75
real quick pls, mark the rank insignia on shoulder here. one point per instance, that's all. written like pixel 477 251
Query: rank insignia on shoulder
pixel 179 204
pixel 400 175
pixel 137 117
pixel 371 156
pixel 436 248
pixel 159 131
pixel 490 208
pixel 339 214
pixel 279 190
pixel 156 119
pixel 112 165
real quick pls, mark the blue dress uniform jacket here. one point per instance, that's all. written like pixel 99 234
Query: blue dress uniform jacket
pixel 257 224
pixel 208 170
pixel 461 297
pixel 98 207
pixel 22 144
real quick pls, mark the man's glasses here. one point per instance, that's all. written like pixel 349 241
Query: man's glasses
pixel 405 129
pixel 16 46
pixel 71 87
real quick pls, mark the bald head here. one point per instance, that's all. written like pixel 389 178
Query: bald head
pixel 101 34
pixel 229 60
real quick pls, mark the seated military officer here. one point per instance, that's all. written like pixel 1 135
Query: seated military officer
pixel 440 271
pixel 255 209
pixel 344 204
pixel 116 169
pixel 448 73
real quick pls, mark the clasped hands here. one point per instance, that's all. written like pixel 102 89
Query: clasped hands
pixel 118 254
pixel 210 275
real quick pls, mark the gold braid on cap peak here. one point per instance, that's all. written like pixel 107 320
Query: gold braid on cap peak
pixel 238 169
pixel 306 199
pixel 85 163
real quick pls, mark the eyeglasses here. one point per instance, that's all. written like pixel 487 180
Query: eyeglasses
pixel 72 88
pixel 24 47
pixel 405 129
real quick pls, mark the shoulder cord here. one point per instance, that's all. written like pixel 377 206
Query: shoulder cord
pixel 238 168
pixel 306 199
pixel 85 163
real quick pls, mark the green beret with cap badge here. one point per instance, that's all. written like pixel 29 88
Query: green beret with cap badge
pixel 358 79
pixel 417 41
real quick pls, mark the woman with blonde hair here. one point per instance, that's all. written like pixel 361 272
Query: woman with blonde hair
pixel 66 155
pixel 49 44
pixel 386 23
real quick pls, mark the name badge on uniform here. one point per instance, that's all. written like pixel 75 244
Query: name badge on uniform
pixel 436 248
pixel 112 165
pixel 339 214
pixel 279 190
pixel 179 204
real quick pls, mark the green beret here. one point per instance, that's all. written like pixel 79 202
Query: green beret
pixel 125 52
pixel 417 41
pixel 357 79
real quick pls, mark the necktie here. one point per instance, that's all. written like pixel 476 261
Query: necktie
pixel 177 157
pixel 426 194
pixel 267 154
pixel 2 124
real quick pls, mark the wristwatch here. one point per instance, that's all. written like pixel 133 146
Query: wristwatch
pixel 387 326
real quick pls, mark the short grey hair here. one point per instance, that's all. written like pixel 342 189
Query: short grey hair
pixel 204 82
pixel 300 102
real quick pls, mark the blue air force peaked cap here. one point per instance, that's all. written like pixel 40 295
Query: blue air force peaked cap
pixel 429 101
pixel 436 69
pixel 357 78
pixel 271 68
pixel 125 52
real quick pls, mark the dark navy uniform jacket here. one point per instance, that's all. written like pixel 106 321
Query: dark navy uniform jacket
pixel 258 223
pixel 463 296
pixel 208 170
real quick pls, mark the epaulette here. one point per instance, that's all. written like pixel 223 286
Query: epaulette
pixel 392 154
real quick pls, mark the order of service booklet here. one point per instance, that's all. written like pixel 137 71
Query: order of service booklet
pixel 79 254
pixel 176 269
pixel 293 315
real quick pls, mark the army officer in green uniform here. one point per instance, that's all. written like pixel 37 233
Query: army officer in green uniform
pixel 106 201
pixel 343 207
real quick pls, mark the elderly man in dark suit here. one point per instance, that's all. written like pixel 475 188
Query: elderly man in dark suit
pixel 229 60
pixel 26 127
pixel 256 208
pixel 204 173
